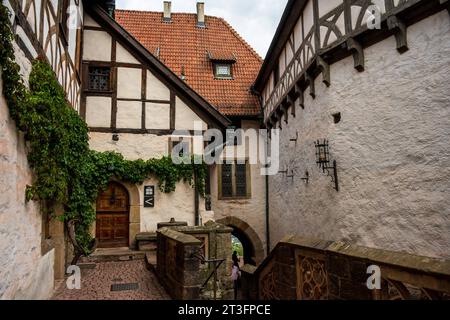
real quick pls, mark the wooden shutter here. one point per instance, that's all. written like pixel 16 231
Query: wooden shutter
pixel 227 181
pixel 241 180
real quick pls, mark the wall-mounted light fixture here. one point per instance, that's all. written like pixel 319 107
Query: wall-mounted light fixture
pixel 115 137
pixel 323 161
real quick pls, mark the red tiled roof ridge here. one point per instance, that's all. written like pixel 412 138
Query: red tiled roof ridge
pixel 238 36
pixel 228 25
pixel 231 97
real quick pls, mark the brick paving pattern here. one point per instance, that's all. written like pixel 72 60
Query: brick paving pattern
pixel 96 283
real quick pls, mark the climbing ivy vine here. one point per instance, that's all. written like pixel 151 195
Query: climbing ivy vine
pixel 66 171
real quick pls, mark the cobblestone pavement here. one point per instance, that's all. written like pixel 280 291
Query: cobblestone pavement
pixel 96 283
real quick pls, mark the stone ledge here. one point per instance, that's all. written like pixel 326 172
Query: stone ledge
pixel 179 237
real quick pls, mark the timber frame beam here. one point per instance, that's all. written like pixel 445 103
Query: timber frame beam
pixel 301 73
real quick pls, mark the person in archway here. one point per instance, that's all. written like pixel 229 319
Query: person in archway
pixel 235 275
pixel 235 258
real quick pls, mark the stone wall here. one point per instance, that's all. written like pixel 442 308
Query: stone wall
pixel 313 269
pixel 177 268
pixel 186 257
pixel 391 147
pixel 216 240
pixel 25 271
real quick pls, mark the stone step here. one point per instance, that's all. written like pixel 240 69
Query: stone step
pixel 146 241
pixel 115 254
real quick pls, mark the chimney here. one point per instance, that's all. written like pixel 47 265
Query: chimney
pixel 201 14
pixel 167 11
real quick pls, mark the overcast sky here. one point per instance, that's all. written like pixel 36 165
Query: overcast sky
pixel 255 20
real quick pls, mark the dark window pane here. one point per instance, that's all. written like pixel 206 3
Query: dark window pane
pixel 99 79
pixel 241 180
pixel 227 181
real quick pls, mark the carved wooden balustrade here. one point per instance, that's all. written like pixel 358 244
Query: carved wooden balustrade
pixel 310 269
pixel 341 32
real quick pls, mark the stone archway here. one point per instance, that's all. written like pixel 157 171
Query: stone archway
pixel 253 247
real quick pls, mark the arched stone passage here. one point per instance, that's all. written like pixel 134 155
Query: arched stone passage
pixel 253 247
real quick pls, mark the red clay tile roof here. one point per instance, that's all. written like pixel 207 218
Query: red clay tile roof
pixel 181 45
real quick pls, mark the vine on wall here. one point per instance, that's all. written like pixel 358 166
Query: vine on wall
pixel 66 171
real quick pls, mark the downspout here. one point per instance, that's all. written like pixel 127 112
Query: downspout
pixel 196 199
pixel 267 213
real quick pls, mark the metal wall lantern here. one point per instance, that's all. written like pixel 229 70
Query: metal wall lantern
pixel 323 161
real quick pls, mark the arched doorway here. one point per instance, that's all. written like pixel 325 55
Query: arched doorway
pixel 248 251
pixel 253 247
pixel 113 217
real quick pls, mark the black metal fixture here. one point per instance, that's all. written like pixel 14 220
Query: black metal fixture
pixel 323 161
pixel 115 137
pixel 292 175
pixel 294 139
pixel 306 178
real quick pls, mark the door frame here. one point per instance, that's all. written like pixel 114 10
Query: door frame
pixel 128 214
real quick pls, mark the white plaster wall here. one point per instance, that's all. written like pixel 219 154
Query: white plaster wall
pixel 129 114
pixel 131 146
pixel 157 116
pixel 97 46
pixel 251 211
pixel 129 82
pixel 156 90
pixel 23 272
pixel 392 150
pixel 123 55
pixel 185 118
pixel 178 205
pixel 98 112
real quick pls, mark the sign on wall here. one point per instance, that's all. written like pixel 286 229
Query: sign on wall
pixel 149 196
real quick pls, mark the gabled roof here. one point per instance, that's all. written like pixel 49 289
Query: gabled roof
pixel 187 49
pixel 205 110
pixel 288 20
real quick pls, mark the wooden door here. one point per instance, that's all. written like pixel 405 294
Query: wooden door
pixel 113 212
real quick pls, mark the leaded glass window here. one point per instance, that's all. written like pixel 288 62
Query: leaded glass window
pixel 99 78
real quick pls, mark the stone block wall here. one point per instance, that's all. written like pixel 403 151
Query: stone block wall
pixel 177 267
pixel 186 257
pixel 311 269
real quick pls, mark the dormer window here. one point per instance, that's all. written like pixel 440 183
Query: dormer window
pixel 222 64
pixel 222 71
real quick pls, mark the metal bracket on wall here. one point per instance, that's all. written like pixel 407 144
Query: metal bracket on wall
pixel 333 174
pixel 292 175
pixel 296 137
pixel 306 178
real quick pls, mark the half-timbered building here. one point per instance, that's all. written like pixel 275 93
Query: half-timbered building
pixel 213 59
pixel 359 90
pixel 132 102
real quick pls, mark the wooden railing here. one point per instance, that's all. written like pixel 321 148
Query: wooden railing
pixel 310 269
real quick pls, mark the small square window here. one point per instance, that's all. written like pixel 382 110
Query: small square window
pixel 99 78
pixel 223 71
